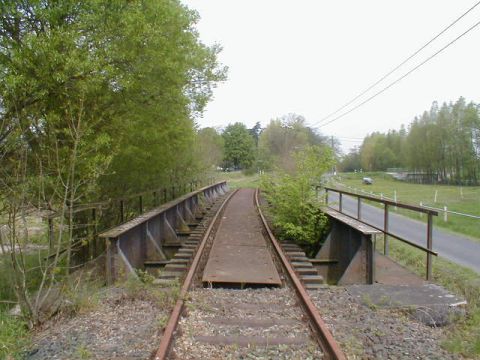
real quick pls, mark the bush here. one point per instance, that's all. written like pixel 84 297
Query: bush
pixel 294 207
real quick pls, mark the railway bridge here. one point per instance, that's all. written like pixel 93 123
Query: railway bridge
pixel 213 242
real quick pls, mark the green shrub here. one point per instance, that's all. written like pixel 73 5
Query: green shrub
pixel 291 195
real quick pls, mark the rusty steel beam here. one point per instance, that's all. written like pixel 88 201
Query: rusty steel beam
pixel 329 345
pixel 383 201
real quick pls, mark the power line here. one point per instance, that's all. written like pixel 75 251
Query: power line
pixel 401 77
pixel 399 65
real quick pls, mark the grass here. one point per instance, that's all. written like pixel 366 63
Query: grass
pixel 238 179
pixel 14 335
pixel 456 198
pixel 464 335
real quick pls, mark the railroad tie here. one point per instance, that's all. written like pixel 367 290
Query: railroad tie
pixel 303 266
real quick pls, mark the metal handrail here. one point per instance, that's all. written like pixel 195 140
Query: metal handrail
pixel 430 213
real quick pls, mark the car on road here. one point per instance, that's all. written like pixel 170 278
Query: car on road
pixel 367 181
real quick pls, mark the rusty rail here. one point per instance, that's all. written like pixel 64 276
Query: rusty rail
pixel 385 230
pixel 329 345
pixel 167 337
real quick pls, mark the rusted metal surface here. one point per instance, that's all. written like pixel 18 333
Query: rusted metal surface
pixel 384 201
pixel 143 239
pixel 239 254
pixel 167 337
pixel 329 345
pixel 351 243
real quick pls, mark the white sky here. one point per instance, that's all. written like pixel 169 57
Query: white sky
pixel 310 57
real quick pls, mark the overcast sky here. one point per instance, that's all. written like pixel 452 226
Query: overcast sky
pixel 310 57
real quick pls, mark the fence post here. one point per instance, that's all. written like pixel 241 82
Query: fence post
pixel 359 208
pixel 140 204
pixel 164 195
pixel 445 214
pixel 173 192
pixel 340 202
pixel 93 247
pixel 386 249
pixel 50 233
pixel 122 211
pixel 155 203
pixel 429 246
pixel 326 197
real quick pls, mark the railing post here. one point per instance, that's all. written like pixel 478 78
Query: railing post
pixel 359 208
pixel 94 239
pixel 140 204
pixel 122 211
pixel 340 201
pixel 385 230
pixel 429 246
pixel 50 234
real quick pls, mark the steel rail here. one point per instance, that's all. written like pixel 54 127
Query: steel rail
pixel 329 345
pixel 172 323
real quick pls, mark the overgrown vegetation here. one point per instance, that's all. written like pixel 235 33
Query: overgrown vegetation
pixel 13 336
pixel 292 199
pixel 464 335
pixel 97 99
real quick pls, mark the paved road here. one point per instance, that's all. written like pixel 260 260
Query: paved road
pixel 456 248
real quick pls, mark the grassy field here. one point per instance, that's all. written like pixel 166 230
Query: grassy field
pixel 464 334
pixel 238 179
pixel 459 199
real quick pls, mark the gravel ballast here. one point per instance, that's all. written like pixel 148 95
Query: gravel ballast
pixel 370 332
pixel 120 326
pixel 214 315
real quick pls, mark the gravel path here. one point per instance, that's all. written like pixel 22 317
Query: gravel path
pixel 217 314
pixel 373 333
pixel 122 326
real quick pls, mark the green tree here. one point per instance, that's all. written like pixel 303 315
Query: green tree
pixel 239 146
pixel 282 137
pixel 96 98
pixel 209 145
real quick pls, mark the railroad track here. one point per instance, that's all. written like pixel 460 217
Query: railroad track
pixel 241 321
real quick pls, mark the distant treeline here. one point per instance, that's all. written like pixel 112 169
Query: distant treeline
pixel 443 145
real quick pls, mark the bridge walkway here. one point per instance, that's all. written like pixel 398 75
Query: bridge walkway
pixel 239 253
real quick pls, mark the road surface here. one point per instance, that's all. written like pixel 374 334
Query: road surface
pixel 456 248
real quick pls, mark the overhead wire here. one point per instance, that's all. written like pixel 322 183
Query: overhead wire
pixel 399 65
pixel 401 77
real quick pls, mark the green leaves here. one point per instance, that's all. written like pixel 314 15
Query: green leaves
pixel 291 195
pixel 239 146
